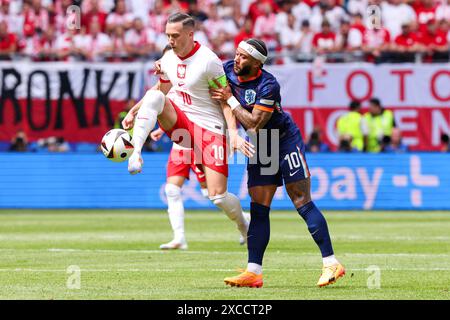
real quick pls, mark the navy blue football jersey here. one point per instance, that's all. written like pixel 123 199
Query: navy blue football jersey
pixel 263 92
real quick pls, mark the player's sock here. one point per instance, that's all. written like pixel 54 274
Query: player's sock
pixel 176 211
pixel 329 261
pixel 254 268
pixel 258 234
pixel 317 226
pixel 152 106
pixel 204 192
pixel 229 203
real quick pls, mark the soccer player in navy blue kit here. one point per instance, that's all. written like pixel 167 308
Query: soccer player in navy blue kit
pixel 253 94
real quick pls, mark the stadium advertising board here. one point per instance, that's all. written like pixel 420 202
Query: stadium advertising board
pixel 339 181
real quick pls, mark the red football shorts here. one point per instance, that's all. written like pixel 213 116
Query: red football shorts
pixel 209 148
pixel 180 162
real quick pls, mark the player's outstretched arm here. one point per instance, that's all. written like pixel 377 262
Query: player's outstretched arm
pixel 236 141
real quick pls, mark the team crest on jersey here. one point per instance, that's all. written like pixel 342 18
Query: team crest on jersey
pixel 250 96
pixel 181 71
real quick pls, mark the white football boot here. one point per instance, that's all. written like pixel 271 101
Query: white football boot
pixel 174 245
pixel 135 163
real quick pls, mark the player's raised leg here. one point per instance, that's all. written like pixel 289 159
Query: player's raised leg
pixel 154 106
pixel 300 194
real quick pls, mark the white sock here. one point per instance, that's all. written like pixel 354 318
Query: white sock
pixel 254 268
pixel 204 192
pixel 152 106
pixel 229 203
pixel 176 211
pixel 329 261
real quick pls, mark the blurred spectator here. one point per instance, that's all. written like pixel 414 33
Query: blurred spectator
pixel 330 11
pixel 290 39
pixel 54 144
pixel 357 6
pixel 223 46
pixel 357 22
pixel 140 8
pixel 195 12
pixel 95 45
pixel 119 17
pixel 395 14
pixel 214 25
pixel 282 16
pixel 257 8
pixel 174 6
pixel 36 18
pixel 425 12
pixel 140 42
pixel 405 46
pixel 306 42
pixel 445 143
pixel 443 11
pixel 118 49
pixel 8 42
pixel 44 48
pixel 264 27
pixel 352 128
pixel 345 145
pixel 157 18
pixel 200 34
pixel 301 11
pixel 238 17
pixel 245 32
pixel 64 45
pixel 324 41
pixel 380 122
pixel 394 144
pixel 13 20
pixel 94 14
pixel 376 43
pixel 433 43
pixel 348 39
pixel 19 142
pixel 225 8
pixel 60 17
pixel 315 143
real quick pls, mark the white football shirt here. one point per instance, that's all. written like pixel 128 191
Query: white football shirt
pixel 189 77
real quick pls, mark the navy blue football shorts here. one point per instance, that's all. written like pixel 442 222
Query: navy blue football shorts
pixel 291 165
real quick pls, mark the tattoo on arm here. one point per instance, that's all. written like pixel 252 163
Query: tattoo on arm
pixel 253 121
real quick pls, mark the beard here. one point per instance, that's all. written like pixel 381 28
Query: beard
pixel 244 71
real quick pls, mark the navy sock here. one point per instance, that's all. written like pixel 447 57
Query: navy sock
pixel 317 226
pixel 258 232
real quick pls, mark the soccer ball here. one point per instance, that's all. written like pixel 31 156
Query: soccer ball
pixel 116 145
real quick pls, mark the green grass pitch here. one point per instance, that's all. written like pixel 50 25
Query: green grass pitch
pixel 118 257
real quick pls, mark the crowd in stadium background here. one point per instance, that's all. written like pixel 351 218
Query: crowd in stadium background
pixel 294 30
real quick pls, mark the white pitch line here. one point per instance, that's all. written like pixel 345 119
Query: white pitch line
pixel 65 250
pixel 213 270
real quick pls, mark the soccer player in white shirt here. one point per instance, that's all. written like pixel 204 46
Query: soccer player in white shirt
pixel 192 119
